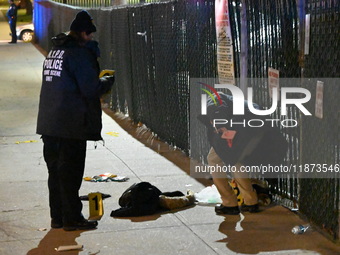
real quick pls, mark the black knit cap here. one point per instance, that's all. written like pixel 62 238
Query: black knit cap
pixel 83 23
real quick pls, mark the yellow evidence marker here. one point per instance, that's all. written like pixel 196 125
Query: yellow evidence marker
pixel 96 206
pixel 106 98
pixel 107 72
pixel 240 199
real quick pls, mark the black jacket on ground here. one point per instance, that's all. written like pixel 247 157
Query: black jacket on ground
pixel 70 93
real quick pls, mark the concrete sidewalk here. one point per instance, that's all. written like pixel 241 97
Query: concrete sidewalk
pixel 24 211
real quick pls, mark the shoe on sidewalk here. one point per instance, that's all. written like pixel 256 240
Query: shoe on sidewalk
pixel 80 225
pixel 56 223
pixel 229 210
pixel 250 208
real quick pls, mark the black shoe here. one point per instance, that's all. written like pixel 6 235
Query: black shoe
pixel 55 223
pixel 230 210
pixel 80 225
pixel 250 208
pixel 12 42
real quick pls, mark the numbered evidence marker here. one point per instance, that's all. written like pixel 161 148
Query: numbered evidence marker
pixel 106 98
pixel 96 206
pixel 240 199
pixel 107 72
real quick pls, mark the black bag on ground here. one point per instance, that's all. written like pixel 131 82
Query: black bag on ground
pixel 138 200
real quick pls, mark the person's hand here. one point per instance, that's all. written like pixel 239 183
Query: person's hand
pixel 109 79
pixel 107 83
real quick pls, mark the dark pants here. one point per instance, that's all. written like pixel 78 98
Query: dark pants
pixel 65 159
pixel 12 26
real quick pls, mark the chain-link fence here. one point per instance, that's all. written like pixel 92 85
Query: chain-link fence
pixel 321 136
pixel 157 48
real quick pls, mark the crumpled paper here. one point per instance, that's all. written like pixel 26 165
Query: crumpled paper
pixel 107 177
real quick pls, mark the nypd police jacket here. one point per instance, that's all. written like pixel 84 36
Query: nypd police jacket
pixel 70 93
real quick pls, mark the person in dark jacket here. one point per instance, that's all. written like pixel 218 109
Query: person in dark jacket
pixel 235 144
pixel 12 20
pixel 69 115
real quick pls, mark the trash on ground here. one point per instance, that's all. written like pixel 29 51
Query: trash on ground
pixel 86 197
pixel 300 229
pixel 69 247
pixel 107 177
pixel 100 176
pixel 119 179
pixel 42 229
pixel 208 195
pixel 29 141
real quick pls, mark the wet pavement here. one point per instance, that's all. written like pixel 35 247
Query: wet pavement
pixel 128 151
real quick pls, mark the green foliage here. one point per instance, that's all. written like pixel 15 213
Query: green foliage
pixel 22 17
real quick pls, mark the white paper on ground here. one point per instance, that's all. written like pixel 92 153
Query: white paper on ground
pixel 69 247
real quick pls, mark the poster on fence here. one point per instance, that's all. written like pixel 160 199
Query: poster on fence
pixel 225 54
